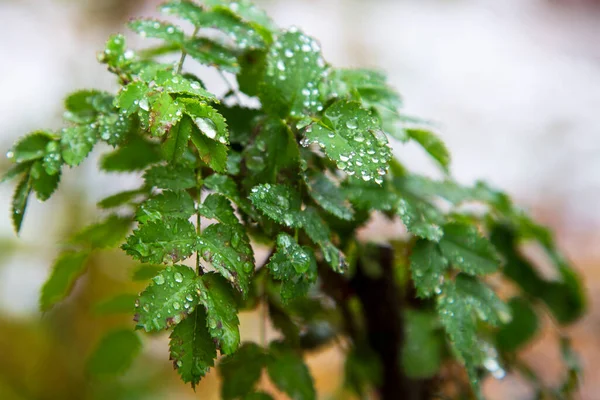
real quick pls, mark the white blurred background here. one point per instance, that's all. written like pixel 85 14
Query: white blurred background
pixel 514 86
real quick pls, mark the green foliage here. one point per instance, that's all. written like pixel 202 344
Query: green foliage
pixel 114 354
pixel 301 175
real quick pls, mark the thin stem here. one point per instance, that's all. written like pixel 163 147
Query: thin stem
pixel 231 88
pixel 184 53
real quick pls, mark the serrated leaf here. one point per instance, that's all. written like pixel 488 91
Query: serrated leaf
pixel 522 327
pixel 177 141
pixel 208 120
pixel 278 202
pixel 157 30
pixel 420 218
pixel 217 297
pixel 427 266
pixel 318 231
pixel 228 249
pixel 467 250
pixel 211 152
pixel 164 114
pixel 352 138
pixel 114 354
pixel 120 199
pixel 120 304
pixel 273 149
pixel 175 83
pixel 226 186
pixel 432 144
pixel 289 373
pixel 247 10
pixel 106 234
pixel 294 266
pixel 53 160
pixel 330 197
pixel 115 52
pixel 82 107
pixel 369 195
pixel 458 304
pixel 133 97
pixel 65 271
pixel 168 204
pixel 293 71
pixel 134 155
pixel 30 147
pixel 191 348
pixel 16 170
pixel 42 183
pixel 163 241
pixel 76 143
pixel 19 201
pixel 170 177
pixel 218 207
pixel 241 371
pixel 423 347
pixel 171 296
pixel 208 52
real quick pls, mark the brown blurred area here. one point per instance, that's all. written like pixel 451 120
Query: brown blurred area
pixel 514 86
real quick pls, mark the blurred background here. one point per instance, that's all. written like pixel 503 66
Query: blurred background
pixel 513 85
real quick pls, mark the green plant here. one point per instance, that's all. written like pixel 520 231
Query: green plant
pixel 298 175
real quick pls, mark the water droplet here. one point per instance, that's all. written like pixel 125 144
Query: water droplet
pixel 178 277
pixel 159 279
pixel 143 104
pixel 288 53
pixel 280 65
pixel 207 127
pixel 351 123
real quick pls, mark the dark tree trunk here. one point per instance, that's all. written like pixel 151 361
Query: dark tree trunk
pixel 382 302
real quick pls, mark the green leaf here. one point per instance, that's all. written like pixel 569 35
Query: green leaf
pixel 208 120
pixel 120 304
pixel 171 296
pixel 247 10
pixel 42 183
pixel 432 144
pixel 210 53
pixel 175 83
pixel 330 197
pixel 30 147
pixel 164 114
pixel 76 143
pixel 294 69
pixel 106 234
pixel 65 271
pixel 163 241
pixel 114 354
pixel 427 266
pixel 19 201
pixel 218 298
pixel 351 137
pixel 420 218
pixel 53 160
pixel 281 203
pixel 16 170
pixel 219 208
pixel 289 373
pixel 83 105
pixel 120 199
pixel 273 149
pixel 133 97
pixel 294 266
pixel 369 195
pixel 177 141
pixel 192 348
pixel 467 250
pixel 115 52
pixel 136 154
pixel 522 327
pixel 457 305
pixel 319 232
pixel 170 177
pixel 146 271
pixel 423 346
pixel 241 371
pixel 157 30
pixel 228 249
pixel 168 204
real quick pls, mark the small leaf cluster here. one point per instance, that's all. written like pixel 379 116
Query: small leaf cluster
pixel 301 175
